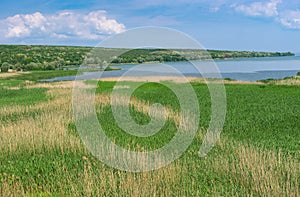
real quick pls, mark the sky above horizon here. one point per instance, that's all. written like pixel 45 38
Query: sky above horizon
pixel 269 25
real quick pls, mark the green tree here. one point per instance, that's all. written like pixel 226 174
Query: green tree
pixel 31 66
pixel 5 66
pixel 60 64
pixel 50 66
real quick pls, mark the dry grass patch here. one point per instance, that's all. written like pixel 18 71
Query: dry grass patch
pixel 47 129
pixel 4 75
pixel 259 171
pixel 52 85
pixel 290 81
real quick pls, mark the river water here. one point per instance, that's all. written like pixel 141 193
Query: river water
pixel 244 69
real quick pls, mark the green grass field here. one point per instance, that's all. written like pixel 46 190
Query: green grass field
pixel 42 154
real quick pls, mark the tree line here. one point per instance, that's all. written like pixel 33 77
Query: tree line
pixel 33 57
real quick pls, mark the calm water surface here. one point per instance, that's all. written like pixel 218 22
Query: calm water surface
pixel 244 69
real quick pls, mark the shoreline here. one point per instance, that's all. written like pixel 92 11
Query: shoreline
pixel 176 79
pixel 210 59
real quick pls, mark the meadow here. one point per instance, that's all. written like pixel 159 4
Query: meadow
pixel 41 153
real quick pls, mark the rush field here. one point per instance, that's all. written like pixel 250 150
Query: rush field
pixel 41 153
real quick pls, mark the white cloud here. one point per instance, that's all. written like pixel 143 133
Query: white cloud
pixel 65 24
pixel 101 23
pixel 268 9
pixel 290 19
pixel 287 18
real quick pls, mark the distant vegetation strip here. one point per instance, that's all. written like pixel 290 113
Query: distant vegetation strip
pixel 34 57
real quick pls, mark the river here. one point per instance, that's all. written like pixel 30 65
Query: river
pixel 244 69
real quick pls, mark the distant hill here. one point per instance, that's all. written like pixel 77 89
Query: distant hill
pixel 34 57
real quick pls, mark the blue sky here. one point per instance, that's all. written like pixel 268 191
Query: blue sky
pixel 268 25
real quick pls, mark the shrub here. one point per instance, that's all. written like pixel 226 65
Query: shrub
pixel 5 66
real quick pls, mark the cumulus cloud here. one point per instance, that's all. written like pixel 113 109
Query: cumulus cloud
pixel 290 19
pixel 268 9
pixel 287 18
pixel 22 25
pixel 65 24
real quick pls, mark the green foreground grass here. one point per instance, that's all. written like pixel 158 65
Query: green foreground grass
pixel 42 154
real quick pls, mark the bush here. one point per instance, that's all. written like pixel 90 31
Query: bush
pixel 5 66
pixel 50 67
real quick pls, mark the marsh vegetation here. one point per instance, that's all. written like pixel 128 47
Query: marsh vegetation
pixel 42 154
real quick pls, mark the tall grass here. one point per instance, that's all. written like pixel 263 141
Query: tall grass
pixel 42 154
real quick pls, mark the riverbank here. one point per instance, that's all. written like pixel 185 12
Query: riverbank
pixel 174 79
